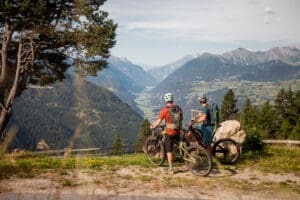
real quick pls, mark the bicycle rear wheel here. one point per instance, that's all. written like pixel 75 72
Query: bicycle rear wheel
pixel 197 160
pixel 155 151
pixel 226 150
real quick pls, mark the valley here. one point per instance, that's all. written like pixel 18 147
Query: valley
pixel 120 96
pixel 257 92
pixel 143 101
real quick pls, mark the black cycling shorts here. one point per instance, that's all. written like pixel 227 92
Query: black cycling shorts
pixel 169 141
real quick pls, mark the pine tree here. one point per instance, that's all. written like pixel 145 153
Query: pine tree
pixel 37 37
pixel 117 144
pixel 297 103
pixel 280 106
pixel 285 129
pixel 292 114
pixel 228 107
pixel 287 111
pixel 248 116
pixel 295 135
pixel 266 122
pixel 143 135
pixel 296 111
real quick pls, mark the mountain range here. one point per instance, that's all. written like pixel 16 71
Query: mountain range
pixel 243 70
pixel 289 55
pixel 120 96
pixel 250 74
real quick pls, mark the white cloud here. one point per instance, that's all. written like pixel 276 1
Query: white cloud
pixel 157 25
pixel 205 19
pixel 216 21
pixel 266 19
pixel 269 11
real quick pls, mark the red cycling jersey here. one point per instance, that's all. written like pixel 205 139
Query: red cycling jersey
pixel 165 115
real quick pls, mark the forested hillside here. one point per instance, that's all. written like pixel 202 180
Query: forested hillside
pixel 118 83
pixel 124 79
pixel 53 114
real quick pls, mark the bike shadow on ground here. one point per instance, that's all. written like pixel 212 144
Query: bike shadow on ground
pixel 221 173
pixel 222 170
pixel 216 172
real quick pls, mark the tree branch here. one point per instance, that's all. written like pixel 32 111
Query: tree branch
pixel 3 65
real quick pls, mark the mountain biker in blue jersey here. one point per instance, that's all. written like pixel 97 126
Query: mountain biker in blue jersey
pixel 205 126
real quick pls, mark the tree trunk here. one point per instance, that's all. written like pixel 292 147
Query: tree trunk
pixel 21 66
pixel 4 119
pixel 4 110
pixel 5 43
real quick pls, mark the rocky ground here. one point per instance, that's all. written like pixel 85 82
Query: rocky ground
pixel 152 183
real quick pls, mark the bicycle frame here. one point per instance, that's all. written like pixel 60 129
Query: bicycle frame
pixel 181 147
pixel 194 156
pixel 185 151
pixel 199 137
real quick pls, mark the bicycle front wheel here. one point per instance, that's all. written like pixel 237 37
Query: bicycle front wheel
pixel 197 160
pixel 155 151
pixel 226 150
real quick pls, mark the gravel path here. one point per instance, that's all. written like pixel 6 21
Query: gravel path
pixel 143 183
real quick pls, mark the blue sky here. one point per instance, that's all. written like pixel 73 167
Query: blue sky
pixel 157 32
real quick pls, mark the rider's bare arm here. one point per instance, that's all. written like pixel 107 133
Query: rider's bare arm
pixel 200 118
pixel 156 123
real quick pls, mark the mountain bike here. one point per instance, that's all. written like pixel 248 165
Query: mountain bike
pixel 226 150
pixel 195 156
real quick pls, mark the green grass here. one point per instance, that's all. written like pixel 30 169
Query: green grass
pixel 113 161
pixel 27 164
pixel 289 185
pixel 273 160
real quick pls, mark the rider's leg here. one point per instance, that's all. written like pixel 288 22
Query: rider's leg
pixel 168 147
pixel 209 150
pixel 170 159
pixel 206 134
pixel 169 142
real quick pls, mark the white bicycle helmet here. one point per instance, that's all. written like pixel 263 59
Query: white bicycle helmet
pixel 202 98
pixel 169 97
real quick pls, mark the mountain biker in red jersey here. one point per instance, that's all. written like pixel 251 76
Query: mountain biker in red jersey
pixel 173 126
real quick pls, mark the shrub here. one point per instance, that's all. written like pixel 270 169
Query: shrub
pixel 253 142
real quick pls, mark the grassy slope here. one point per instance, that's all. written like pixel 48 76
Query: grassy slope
pixel 274 160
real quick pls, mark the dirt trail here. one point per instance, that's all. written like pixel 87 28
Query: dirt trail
pixel 142 183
